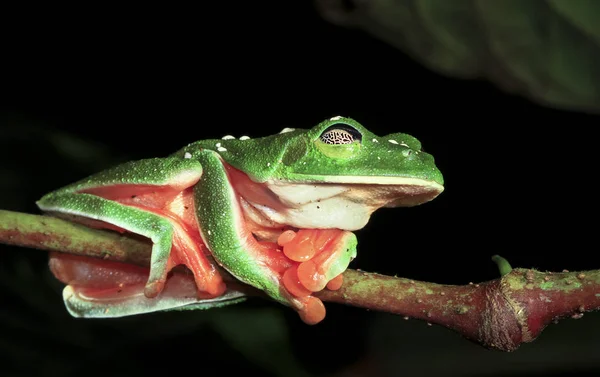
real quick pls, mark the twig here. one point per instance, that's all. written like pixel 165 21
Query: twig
pixel 499 314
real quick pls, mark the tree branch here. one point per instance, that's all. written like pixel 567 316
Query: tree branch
pixel 499 314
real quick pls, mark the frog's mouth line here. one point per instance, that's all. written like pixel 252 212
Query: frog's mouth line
pixel 357 179
pixel 399 191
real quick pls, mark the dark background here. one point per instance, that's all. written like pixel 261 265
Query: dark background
pixel 84 88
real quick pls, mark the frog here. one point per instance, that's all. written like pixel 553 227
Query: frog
pixel 278 213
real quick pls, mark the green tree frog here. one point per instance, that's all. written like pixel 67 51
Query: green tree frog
pixel 277 212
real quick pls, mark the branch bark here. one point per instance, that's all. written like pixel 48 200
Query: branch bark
pixel 499 314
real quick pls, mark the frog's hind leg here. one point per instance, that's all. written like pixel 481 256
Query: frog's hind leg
pixel 98 288
pixel 120 199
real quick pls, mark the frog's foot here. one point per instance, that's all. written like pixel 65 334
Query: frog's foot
pixel 99 288
pixel 94 273
pixel 319 257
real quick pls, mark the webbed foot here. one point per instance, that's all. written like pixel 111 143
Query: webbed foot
pixel 319 259
pixel 98 288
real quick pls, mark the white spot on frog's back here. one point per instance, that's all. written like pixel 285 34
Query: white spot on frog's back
pixel 221 149
pixel 286 130
pixel 244 137
pixel 228 137
pixel 375 140
pixel 336 118
pixel 187 155
pixel 393 141
pixel 404 145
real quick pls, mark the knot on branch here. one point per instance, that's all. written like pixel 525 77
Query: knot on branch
pixel 503 321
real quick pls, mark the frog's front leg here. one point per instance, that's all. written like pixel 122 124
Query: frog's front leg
pixel 151 198
pixel 281 274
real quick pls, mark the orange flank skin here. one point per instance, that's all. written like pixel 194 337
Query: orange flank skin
pixel 188 248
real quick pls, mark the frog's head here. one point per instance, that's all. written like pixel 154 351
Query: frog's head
pixel 336 174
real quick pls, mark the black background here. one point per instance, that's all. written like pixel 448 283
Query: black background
pixel 143 82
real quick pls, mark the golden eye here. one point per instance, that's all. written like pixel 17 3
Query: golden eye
pixel 340 134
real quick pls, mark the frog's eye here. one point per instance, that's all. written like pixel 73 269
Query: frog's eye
pixel 340 134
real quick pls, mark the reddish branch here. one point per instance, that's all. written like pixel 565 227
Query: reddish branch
pixel 499 314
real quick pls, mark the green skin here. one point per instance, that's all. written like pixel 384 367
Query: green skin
pixel 300 167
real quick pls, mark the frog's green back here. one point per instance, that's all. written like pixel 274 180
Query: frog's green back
pixel 308 155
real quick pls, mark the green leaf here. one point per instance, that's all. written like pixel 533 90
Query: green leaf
pixel 545 50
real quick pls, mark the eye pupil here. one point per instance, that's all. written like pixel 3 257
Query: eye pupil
pixel 339 134
pixel 337 137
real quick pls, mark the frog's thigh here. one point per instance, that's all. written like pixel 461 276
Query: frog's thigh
pixel 135 220
pixel 171 174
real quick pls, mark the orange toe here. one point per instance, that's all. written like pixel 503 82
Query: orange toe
pixel 313 311
pixel 292 283
pixel 335 283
